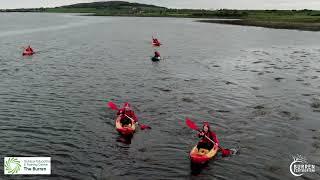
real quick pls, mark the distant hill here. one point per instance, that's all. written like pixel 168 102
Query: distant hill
pixel 111 8
pixel 123 8
pixel 111 4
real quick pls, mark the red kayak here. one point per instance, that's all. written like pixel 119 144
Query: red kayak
pixel 202 156
pixel 27 53
pixel 156 44
pixel 125 130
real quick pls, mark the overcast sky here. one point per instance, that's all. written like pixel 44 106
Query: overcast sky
pixel 204 4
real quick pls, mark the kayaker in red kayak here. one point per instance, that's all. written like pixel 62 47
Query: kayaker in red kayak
pixel 205 143
pixel 125 121
pixel 127 111
pixel 29 49
pixel 155 40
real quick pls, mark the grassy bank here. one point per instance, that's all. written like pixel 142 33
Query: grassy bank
pixel 280 19
pixel 269 24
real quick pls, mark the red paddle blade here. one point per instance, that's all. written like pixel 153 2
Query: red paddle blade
pixel 226 152
pixel 191 124
pixel 143 127
pixel 112 105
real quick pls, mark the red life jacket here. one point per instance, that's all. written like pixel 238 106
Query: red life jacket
pixel 210 135
pixel 29 49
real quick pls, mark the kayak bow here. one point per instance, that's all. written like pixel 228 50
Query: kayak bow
pixel 203 155
pixel 125 131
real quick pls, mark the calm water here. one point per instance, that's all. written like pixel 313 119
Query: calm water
pixel 259 89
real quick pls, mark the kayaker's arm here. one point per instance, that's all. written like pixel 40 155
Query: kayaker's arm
pixel 215 139
pixel 134 117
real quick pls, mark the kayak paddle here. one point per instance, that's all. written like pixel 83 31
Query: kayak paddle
pixel 192 125
pixel 113 106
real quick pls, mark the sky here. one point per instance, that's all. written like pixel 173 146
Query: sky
pixel 193 4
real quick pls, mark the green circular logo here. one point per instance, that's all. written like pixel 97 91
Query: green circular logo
pixel 12 165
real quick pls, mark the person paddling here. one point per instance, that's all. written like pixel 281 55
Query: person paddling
pixel 29 49
pixel 155 40
pixel 206 133
pixel 127 112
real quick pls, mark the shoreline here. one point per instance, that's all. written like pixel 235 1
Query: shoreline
pixel 301 26
pixel 240 21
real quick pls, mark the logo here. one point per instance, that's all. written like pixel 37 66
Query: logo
pixel 12 165
pixel 27 165
pixel 299 166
